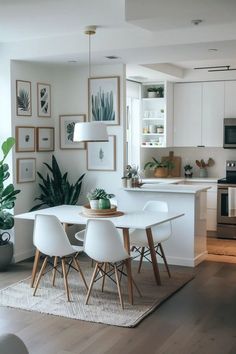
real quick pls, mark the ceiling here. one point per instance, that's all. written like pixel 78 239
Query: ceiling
pixel 142 34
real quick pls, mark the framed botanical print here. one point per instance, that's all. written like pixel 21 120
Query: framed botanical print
pixel 25 139
pixel 45 139
pixel 44 100
pixel 67 124
pixel 104 99
pixel 25 169
pixel 101 156
pixel 23 98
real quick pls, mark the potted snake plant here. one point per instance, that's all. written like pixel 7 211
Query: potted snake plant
pixel 7 201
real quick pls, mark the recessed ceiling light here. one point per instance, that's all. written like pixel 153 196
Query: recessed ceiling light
pixel 112 57
pixel 196 22
pixel 213 50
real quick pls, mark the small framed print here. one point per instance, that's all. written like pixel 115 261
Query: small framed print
pixel 45 139
pixel 104 99
pixel 26 170
pixel 67 124
pixel 101 156
pixel 25 139
pixel 23 98
pixel 44 100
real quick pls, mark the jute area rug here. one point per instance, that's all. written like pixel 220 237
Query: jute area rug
pixel 103 307
pixel 221 247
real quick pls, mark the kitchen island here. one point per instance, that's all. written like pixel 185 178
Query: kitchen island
pixel 187 245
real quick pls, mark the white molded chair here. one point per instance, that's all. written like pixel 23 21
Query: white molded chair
pixel 160 233
pixel 103 244
pixel 51 239
pixel 12 344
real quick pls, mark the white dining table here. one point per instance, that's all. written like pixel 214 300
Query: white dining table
pixel 144 220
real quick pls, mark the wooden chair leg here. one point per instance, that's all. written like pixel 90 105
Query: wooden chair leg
pixel 164 258
pixel 141 259
pixel 54 270
pixel 91 283
pixel 118 287
pixel 77 266
pixel 136 287
pixel 65 278
pixel 104 276
pixel 40 275
pixel 35 266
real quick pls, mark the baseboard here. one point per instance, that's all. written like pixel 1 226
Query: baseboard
pixel 18 257
pixel 200 258
pixel 186 262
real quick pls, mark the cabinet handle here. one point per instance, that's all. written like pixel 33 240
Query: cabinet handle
pixel 200 146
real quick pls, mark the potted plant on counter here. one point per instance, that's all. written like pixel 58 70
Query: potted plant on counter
pixel 160 168
pixel 188 171
pixel 7 201
pixel 99 199
pixel 203 166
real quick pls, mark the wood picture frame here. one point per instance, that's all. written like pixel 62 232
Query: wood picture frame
pixel 25 138
pixel 104 99
pixel 67 123
pixel 23 98
pixel 43 100
pixel 101 156
pixel 45 139
pixel 26 170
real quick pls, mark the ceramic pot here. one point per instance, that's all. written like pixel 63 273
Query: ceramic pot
pixel 152 94
pixel 6 254
pixel 203 173
pixel 104 204
pixel 129 182
pixel 93 203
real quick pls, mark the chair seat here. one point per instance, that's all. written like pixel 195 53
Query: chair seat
pixel 138 238
pixel 80 235
pixel 78 249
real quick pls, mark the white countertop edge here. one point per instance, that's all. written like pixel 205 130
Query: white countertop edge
pixel 169 188
pixel 181 179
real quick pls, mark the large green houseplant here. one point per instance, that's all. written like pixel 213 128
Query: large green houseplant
pixel 56 189
pixel 7 201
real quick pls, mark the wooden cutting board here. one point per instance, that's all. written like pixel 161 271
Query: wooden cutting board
pixel 176 171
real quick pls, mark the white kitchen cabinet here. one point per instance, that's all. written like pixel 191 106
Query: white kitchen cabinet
pixel 230 99
pixel 212 113
pixel 187 114
pixel 198 114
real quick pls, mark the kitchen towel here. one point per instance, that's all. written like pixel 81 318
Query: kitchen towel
pixel 232 201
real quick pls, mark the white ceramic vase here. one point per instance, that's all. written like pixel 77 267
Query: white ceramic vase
pixel 93 204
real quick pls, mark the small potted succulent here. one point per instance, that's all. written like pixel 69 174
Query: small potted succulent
pixel 188 171
pixel 203 166
pixel 152 92
pixel 99 199
pixel 7 202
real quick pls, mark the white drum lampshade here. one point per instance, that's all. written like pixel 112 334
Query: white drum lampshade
pixel 90 131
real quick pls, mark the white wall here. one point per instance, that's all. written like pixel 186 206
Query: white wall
pixel 69 87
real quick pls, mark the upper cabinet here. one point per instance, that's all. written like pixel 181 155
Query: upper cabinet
pixel 212 113
pixel 187 114
pixel 198 114
pixel 157 115
pixel 230 99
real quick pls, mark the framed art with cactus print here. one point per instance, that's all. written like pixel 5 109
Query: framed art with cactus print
pixel 101 156
pixel 44 100
pixel 104 99
pixel 67 124
pixel 25 139
pixel 23 98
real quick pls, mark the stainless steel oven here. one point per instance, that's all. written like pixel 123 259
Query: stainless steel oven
pixel 226 226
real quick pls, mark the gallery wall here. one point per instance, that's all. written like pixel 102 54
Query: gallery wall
pixel 69 95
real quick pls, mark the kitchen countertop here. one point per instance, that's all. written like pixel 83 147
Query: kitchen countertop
pixel 169 188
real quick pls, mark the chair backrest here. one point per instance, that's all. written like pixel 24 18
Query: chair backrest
pixel 49 236
pixel 10 343
pixel 163 230
pixel 102 241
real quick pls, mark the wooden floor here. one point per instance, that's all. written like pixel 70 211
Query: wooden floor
pixel 199 319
